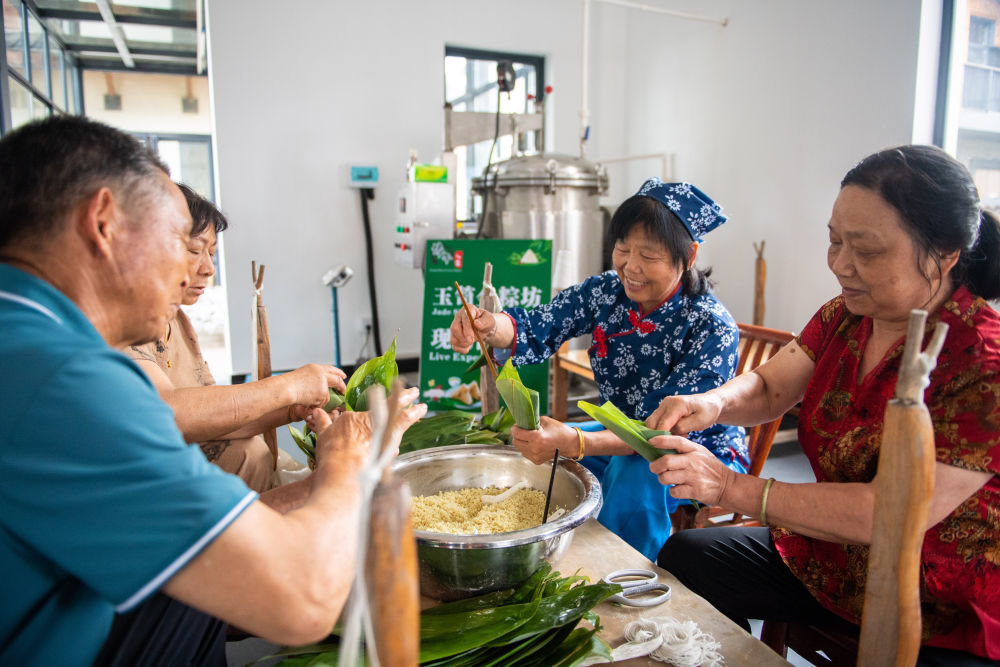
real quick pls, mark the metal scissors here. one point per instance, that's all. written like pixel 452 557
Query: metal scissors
pixel 634 583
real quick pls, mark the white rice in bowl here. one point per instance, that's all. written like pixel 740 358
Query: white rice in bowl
pixel 463 512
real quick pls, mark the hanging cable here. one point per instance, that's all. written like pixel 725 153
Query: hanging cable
pixel 366 194
pixel 486 169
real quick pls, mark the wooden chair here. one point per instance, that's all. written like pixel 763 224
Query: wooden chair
pixel 564 363
pixel 757 345
pixel 891 622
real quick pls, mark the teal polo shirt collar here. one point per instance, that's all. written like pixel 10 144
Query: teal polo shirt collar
pixel 29 291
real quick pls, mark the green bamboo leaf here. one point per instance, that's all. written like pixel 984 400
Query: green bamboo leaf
pixel 521 401
pixel 520 652
pixel 493 599
pixel 450 634
pixel 447 428
pixel 307 650
pixel 478 363
pixel 305 441
pixel 557 610
pixel 378 371
pixel 625 428
pixel 336 400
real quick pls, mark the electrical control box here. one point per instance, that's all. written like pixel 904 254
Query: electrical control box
pixel 426 211
pixel 362 176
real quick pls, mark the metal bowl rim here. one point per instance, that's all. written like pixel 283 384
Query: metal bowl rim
pixel 588 507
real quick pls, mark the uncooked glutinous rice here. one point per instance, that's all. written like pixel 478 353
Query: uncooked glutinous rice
pixel 463 512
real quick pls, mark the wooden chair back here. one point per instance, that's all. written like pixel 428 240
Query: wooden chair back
pixel 891 622
pixel 757 345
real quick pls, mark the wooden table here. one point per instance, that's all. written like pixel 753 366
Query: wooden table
pixel 595 551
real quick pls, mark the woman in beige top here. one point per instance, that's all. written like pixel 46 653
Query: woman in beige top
pixel 226 420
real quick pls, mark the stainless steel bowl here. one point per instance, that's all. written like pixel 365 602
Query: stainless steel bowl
pixel 456 566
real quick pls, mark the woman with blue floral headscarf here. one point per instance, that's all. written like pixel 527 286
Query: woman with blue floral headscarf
pixel 657 331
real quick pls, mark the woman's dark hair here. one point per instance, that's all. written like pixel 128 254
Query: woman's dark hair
pixel 663 226
pixel 203 212
pixel 939 204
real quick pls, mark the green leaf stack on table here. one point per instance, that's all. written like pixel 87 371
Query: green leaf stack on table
pixel 457 428
pixel 534 625
pixel 633 432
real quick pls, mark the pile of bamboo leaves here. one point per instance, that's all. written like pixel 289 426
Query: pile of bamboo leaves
pixel 534 625
pixel 457 428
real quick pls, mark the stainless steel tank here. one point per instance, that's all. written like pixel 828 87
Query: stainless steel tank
pixel 549 196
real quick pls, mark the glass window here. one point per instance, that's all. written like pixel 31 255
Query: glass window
pixel 20 103
pixel 36 54
pixel 73 102
pixel 981 32
pixel 471 85
pixel 14 36
pixel 39 108
pixel 57 74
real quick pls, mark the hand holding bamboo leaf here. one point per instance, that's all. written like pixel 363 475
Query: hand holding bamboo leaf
pixel 632 432
pixel 538 445
pixel 694 471
pixel 344 439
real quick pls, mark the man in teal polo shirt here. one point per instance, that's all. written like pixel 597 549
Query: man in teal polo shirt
pixel 106 516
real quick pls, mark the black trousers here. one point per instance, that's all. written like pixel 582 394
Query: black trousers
pixel 739 571
pixel 164 632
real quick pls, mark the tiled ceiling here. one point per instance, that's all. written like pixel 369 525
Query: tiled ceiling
pixel 134 35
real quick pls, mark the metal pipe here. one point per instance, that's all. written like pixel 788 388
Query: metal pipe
pixel 665 159
pixel 117 34
pixel 200 32
pixel 584 111
pixel 668 12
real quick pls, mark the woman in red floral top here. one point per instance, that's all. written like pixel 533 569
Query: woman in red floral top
pixel 906 232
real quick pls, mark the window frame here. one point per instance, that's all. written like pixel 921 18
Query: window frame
pixel 41 95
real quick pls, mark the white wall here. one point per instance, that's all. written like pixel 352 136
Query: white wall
pixel 766 115
pixel 150 102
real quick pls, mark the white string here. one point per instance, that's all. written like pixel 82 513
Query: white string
pixel 679 643
pixel 357 611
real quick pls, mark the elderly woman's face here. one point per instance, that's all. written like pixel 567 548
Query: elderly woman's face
pixel 645 268
pixel 201 264
pixel 874 258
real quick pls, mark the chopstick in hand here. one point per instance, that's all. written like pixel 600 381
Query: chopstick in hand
pixel 548 494
pixel 475 332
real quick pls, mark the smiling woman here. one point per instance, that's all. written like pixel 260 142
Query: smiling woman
pixel 657 331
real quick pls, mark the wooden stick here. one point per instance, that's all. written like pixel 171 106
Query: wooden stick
pixel 490 399
pixel 760 277
pixel 891 623
pixel 391 570
pixel 475 332
pixel 264 353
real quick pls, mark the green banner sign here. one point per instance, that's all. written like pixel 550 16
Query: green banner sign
pixel 522 276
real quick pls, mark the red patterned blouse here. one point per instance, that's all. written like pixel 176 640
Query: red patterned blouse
pixel 840 429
